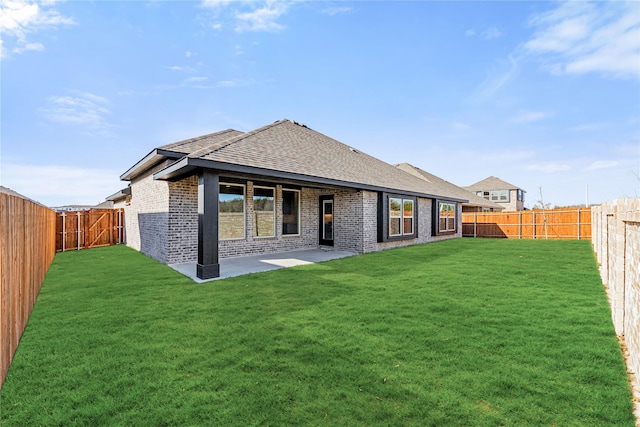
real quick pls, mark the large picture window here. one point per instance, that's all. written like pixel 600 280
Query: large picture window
pixel 264 212
pixel 290 212
pixel 231 212
pixel 447 216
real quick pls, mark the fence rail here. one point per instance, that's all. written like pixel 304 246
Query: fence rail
pixel 27 248
pixel 558 224
pixel 89 229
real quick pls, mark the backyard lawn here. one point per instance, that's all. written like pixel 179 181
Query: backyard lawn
pixel 465 332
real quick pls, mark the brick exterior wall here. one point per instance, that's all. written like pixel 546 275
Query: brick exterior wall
pixel 182 238
pixel 162 221
pixel 146 217
pixel 616 242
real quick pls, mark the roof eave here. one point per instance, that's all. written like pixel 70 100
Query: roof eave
pixel 148 161
pixel 187 165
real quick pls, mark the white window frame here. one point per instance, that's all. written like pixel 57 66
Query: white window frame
pixel 413 211
pixel 391 217
pixel 254 211
pixel 244 210
pixel 499 196
pixel 455 218
pixel 297 217
pixel 402 217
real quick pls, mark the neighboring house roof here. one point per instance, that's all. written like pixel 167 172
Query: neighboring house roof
pixel 492 183
pixel 450 188
pixel 289 150
pixel 119 195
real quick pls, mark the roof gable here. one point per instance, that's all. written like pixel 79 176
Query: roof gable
pixel 492 183
pixel 447 186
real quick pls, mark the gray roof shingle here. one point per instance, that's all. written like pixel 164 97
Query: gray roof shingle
pixel 193 144
pixel 450 188
pixel 492 183
pixel 286 146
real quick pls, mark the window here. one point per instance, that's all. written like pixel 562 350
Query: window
pixel 407 215
pixel 400 217
pixel 264 212
pixel 231 212
pixel 290 212
pixel 495 195
pixel 447 221
pixel 397 217
pixel 521 195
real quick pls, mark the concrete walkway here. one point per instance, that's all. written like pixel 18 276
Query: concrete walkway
pixel 237 266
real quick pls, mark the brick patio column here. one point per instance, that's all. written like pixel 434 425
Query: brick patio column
pixel 208 188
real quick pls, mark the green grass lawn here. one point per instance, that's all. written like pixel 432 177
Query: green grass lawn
pixel 463 332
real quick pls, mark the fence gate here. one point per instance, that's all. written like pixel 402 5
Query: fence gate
pixel 92 228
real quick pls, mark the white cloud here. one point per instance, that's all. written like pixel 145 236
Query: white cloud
pixel 263 18
pixel 486 34
pixel 549 167
pixel 179 68
pixel 491 33
pixel 584 37
pixel 82 108
pixel 337 10
pixel 531 116
pixel 495 80
pixel 55 185
pixel 235 83
pixel 602 164
pixel 19 18
pixel 216 4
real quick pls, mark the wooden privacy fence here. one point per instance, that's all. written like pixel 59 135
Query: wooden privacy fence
pixel 556 224
pixel 89 229
pixel 27 248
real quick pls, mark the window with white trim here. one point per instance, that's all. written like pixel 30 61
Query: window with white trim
pixel 447 216
pixel 397 217
pixel 495 195
pixel 400 216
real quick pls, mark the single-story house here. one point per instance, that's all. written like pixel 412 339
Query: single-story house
pixel 278 188
pixel 510 196
pixel 474 204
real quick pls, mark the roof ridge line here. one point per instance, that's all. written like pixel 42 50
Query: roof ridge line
pixel 233 140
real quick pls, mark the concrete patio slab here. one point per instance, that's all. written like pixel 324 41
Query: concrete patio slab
pixel 237 266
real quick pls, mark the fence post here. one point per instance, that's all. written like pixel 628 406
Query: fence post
pixel 578 223
pixel 64 230
pixel 475 225
pixel 533 219
pixel 520 225
pixel 78 232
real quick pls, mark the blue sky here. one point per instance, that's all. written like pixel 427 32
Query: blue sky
pixel 540 94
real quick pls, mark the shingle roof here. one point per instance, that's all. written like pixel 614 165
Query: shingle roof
pixel 492 183
pixel 450 188
pixel 289 147
pixel 192 144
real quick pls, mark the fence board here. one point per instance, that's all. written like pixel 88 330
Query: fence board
pixel 558 224
pixel 89 229
pixel 27 248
